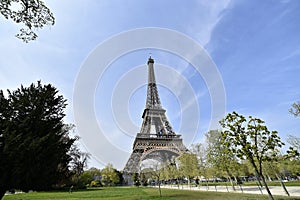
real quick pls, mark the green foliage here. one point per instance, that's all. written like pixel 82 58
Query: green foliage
pixel 77 165
pixel 96 183
pixel 201 154
pixel 170 170
pixel 33 14
pixel 294 149
pixel 218 155
pixel 110 176
pixel 249 139
pixel 34 140
pixel 83 180
pixel 188 165
pixel 136 180
pixel 88 178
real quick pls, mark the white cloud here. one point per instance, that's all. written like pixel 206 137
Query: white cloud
pixel 207 14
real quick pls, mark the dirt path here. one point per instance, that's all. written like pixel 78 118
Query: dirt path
pixel 275 190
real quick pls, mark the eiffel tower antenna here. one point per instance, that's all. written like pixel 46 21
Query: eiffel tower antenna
pixel 156 139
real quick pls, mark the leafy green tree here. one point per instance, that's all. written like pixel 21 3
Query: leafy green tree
pixel 90 177
pixel 276 169
pixel 94 172
pixel 156 171
pixel 294 149
pixel 249 138
pixel 171 171
pixel 110 176
pixel 292 158
pixel 201 154
pixel 136 179
pixel 33 14
pixel 294 141
pixel 4 166
pixel 77 165
pixel 84 180
pixel 34 139
pixel 219 156
pixel 188 166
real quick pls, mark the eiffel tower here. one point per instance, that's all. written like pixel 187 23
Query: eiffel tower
pixel 156 139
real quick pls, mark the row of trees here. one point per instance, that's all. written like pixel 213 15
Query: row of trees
pixel 244 148
pixel 37 151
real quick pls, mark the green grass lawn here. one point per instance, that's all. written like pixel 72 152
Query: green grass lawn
pixel 126 193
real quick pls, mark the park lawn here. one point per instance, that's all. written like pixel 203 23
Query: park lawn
pixel 132 193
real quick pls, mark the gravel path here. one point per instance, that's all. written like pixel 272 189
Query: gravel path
pixel 275 190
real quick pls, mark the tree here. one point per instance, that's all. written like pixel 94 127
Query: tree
pixel 136 179
pixel 295 110
pixel 249 139
pixel 4 167
pixel 33 14
pixel 90 177
pixel 156 172
pixel 77 164
pixel 188 165
pixel 293 155
pixel 201 154
pixel 294 141
pixel 171 171
pixel 219 156
pixel 34 139
pixel 294 149
pixel 110 176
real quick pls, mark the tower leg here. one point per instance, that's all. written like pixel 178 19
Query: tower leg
pixel 133 163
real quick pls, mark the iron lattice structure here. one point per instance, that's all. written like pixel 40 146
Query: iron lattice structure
pixel 156 139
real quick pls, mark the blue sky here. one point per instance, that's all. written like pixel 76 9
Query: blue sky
pixel 255 46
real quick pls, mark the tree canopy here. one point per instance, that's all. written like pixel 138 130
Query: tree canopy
pixel 249 139
pixel 34 141
pixel 110 176
pixel 188 165
pixel 33 14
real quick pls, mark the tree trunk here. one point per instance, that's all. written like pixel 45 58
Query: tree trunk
pixel 226 187
pixel 159 188
pixel 259 187
pixel 241 188
pixel 215 185
pixel 2 193
pixel 258 180
pixel 283 185
pixel 266 186
pixel 229 176
pixel 232 183
pixel 207 187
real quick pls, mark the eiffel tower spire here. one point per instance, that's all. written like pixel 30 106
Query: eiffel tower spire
pixel 153 100
pixel 156 139
pixel 155 120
